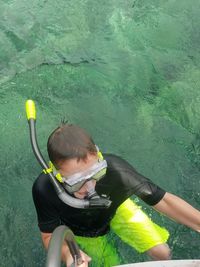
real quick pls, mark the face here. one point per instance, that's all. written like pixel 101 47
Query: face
pixel 72 166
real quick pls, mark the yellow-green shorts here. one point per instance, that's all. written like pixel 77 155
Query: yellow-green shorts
pixel 133 226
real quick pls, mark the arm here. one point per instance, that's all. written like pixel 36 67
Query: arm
pixel 65 255
pixel 179 210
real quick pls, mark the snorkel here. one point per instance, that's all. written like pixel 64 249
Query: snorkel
pixel 94 200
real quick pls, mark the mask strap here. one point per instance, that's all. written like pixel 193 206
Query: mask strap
pixel 99 154
pixel 58 175
pixel 54 171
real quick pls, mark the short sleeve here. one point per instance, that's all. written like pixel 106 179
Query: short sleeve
pixel 132 182
pixel 44 196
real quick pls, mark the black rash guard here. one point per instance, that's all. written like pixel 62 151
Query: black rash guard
pixel 120 182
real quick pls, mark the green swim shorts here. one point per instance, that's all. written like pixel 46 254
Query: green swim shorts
pixel 133 226
pixel 136 229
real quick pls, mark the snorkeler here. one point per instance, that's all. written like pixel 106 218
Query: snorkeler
pixel 90 193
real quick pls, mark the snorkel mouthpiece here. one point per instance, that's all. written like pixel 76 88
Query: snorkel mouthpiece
pixel 95 201
pixel 99 202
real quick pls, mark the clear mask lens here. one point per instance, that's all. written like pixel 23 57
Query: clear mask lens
pixel 74 182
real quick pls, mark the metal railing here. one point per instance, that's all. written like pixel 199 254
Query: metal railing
pixel 63 233
pixel 60 234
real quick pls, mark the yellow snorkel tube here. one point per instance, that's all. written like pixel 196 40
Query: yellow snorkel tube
pixel 31 117
pixel 95 202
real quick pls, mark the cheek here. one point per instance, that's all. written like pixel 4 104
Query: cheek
pixel 82 189
pixel 85 188
pixel 81 193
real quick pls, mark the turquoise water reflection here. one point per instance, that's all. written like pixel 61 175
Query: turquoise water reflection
pixel 128 72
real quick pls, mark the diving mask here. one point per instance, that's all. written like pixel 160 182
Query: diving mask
pixel 73 183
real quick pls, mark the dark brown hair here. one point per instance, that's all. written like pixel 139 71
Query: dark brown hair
pixel 69 141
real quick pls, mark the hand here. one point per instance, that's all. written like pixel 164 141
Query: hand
pixel 86 259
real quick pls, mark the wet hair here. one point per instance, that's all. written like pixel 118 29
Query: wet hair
pixel 69 141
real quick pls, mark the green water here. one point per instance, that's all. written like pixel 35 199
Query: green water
pixel 128 72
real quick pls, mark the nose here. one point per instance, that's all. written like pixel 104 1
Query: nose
pixel 90 185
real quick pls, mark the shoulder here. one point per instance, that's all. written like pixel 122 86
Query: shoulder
pixel 40 182
pixel 119 171
pixel 124 176
pixel 124 173
pixel 42 187
pixel 117 163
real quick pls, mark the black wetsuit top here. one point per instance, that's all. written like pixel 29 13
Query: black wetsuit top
pixel 120 182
